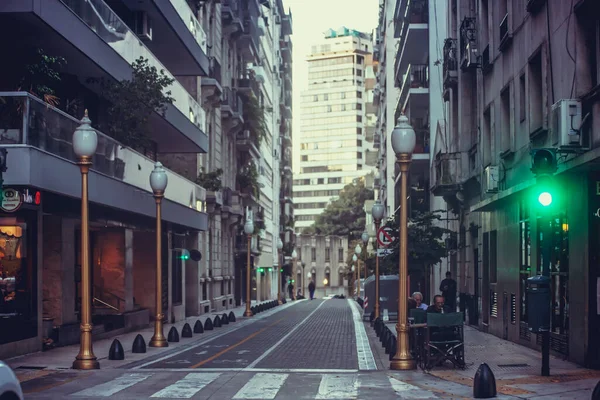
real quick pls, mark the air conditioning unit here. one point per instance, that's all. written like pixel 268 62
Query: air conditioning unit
pixel 142 25
pixel 491 178
pixel 566 123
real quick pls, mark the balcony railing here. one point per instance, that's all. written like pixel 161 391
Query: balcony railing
pixel 247 83
pixel 116 34
pixel 27 120
pixel 231 99
pixel 188 17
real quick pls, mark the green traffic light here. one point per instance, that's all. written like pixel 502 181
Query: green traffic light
pixel 270 269
pixel 260 270
pixel 281 270
pixel 545 199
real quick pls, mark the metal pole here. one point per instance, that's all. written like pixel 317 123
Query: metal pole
pixel 358 275
pixel 279 280
pixel 248 312
pixel 403 360
pixel 377 222
pixel 86 358
pixel 546 252
pixel 158 339
pixel 365 262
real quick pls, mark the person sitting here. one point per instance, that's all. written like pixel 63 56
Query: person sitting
pixel 438 305
pixel 418 296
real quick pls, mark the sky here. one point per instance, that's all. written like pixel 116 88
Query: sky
pixel 311 18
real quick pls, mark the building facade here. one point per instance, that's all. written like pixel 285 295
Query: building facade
pixel 206 48
pixel 333 149
pixel 509 88
pixel 324 258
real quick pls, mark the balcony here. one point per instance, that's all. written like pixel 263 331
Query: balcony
pixel 174 34
pixel 286 24
pixel 232 106
pixel 450 66
pixel 286 49
pixel 285 102
pixel 38 137
pixel 505 34
pixel 414 92
pixel 211 85
pixel 413 32
pixel 231 16
pixel 249 41
pixel 247 144
pixel 447 174
pixel 96 43
pixel 248 85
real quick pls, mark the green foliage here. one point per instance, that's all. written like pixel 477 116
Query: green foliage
pixel 247 179
pixel 346 215
pixel 210 180
pixel 425 242
pixel 41 74
pixel 132 102
pixel 254 120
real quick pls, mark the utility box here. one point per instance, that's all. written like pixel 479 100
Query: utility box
pixel 538 303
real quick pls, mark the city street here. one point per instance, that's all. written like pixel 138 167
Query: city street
pixel 309 350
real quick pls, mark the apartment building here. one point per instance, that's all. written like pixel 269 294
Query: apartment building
pixel 206 48
pixel 520 76
pixel 333 149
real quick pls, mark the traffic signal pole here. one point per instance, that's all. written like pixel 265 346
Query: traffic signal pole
pixel 546 254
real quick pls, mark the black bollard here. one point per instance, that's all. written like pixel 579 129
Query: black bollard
pixel 208 325
pixel 388 344
pixel 217 322
pixel 596 392
pixel 224 319
pixel 372 317
pixel 393 348
pixel 186 331
pixel 484 383
pixel 231 316
pixel 198 328
pixel 116 351
pixel 173 335
pixel 384 336
pixel 139 345
pixel 253 309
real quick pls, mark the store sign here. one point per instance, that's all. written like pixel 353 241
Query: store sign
pixel 12 199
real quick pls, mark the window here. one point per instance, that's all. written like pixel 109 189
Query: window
pixel 488 144
pixel 343 107
pixel 327 254
pixel 522 100
pixel 299 253
pixel 320 181
pixel 328 108
pixel 536 94
pixel 359 94
pixel 316 97
pixel 304 158
pixel 340 255
pixel 313 254
pixel 506 128
pixel 328 278
pixel 358 72
pixel 359 131
pixel 343 95
pixel 325 97
pixel 340 279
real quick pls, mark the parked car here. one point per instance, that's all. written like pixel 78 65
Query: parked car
pixel 10 388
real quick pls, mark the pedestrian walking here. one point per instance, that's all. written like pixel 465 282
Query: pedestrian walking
pixel 311 289
pixel 448 289
pixel 291 290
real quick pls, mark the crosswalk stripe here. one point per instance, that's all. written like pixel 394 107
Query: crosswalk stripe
pixel 262 386
pixel 408 391
pixel 114 386
pixel 337 387
pixel 188 386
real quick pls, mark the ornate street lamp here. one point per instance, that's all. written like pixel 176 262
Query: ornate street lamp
pixel 357 251
pixel 279 247
pixel 294 256
pixel 353 273
pixel 85 142
pixel 377 213
pixel 158 183
pixel 248 230
pixel 303 285
pixel 403 144
pixel 365 240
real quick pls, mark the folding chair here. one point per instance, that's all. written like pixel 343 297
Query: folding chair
pixel 419 316
pixel 444 340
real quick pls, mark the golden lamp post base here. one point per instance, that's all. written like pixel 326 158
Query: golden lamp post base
pixel 247 313
pixel 86 364
pixel 279 302
pixel 403 364
pixel 162 342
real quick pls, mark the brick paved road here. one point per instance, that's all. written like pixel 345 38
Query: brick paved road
pixel 326 340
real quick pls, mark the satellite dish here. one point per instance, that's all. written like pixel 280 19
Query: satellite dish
pixel 195 255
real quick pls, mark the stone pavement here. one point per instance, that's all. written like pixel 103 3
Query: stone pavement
pixel 516 368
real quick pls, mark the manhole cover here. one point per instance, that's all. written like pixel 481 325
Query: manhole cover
pixel 513 365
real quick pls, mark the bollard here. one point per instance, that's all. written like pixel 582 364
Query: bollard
pixel 217 322
pixel 186 331
pixel 116 351
pixel 224 319
pixel 388 344
pixel 484 383
pixel 393 348
pixel 378 326
pixel 253 309
pixel 231 316
pixel 208 325
pixel 173 335
pixel 139 345
pixel 372 317
pixel 596 392
pixel 198 327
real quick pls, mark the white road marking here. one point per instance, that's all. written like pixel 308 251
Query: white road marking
pixel 179 362
pixel 243 351
pixel 338 387
pixel 202 352
pixel 113 386
pixel 262 386
pixel 274 370
pixel 266 353
pixel 366 361
pixel 203 342
pixel 408 391
pixel 186 387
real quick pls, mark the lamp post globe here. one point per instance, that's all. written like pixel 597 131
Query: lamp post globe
pixel 353 268
pixel 365 237
pixel 294 254
pixel 358 250
pixel 403 137
pixel 249 227
pixel 279 244
pixel 309 275
pixel 158 178
pixel 355 259
pixel 85 139
pixel 377 210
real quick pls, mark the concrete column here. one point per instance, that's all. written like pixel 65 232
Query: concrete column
pixel 128 267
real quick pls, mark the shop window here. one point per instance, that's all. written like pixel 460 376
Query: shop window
pixel 313 254
pixel 18 289
pixel 327 254
pixel 340 255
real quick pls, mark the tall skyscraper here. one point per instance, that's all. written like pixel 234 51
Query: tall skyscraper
pixel 333 122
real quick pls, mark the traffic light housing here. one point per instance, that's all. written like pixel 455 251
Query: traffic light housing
pixel 544 164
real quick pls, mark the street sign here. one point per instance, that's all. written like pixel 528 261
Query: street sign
pixel 383 252
pixel 384 236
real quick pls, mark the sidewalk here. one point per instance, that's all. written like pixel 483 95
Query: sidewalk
pixel 517 369
pixel 38 364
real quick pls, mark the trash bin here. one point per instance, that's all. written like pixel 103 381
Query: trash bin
pixel 538 303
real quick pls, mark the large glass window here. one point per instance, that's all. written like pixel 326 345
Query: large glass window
pixel 18 289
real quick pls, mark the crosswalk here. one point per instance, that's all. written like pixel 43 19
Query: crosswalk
pixel 247 385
